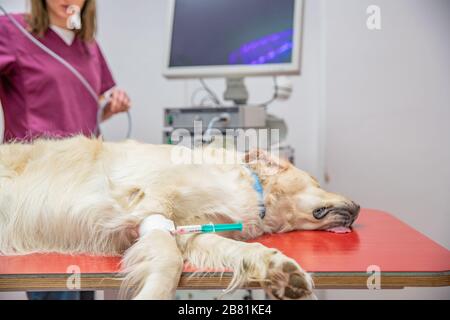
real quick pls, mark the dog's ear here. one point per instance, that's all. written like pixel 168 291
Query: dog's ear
pixel 264 163
pixel 255 155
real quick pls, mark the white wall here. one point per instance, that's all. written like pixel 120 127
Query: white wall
pixel 388 107
pixel 387 104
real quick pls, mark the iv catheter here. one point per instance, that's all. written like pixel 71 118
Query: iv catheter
pixel 160 222
pixel 207 228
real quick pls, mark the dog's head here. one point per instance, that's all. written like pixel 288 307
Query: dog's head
pixel 295 200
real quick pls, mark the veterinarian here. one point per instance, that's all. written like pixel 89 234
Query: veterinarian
pixel 39 96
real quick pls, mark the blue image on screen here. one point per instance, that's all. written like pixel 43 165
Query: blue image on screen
pixel 273 48
pixel 231 32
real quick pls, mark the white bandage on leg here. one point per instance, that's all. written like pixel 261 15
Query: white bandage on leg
pixel 156 221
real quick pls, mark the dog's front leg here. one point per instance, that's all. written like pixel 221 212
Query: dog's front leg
pixel 153 265
pixel 279 275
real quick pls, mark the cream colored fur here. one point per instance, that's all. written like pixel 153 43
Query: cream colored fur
pixel 83 195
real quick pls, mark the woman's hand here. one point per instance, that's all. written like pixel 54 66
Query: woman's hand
pixel 119 102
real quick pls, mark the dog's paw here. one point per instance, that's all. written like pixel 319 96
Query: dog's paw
pixel 286 280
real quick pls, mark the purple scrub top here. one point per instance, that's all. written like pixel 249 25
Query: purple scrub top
pixel 40 97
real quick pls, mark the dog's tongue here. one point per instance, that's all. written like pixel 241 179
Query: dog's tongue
pixel 340 230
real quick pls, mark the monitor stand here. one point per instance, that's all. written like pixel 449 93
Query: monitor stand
pixel 236 91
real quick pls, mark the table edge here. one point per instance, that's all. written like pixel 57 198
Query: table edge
pixel 189 280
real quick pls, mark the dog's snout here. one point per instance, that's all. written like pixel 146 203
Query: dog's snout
pixel 355 208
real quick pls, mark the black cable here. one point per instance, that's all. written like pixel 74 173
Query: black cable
pixel 210 92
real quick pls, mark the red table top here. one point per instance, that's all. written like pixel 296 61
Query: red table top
pixel 378 239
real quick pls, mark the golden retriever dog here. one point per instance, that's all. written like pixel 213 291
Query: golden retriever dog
pixel 82 195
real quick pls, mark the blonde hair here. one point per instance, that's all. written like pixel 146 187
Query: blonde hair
pixel 38 19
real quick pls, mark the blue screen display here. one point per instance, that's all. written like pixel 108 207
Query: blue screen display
pixel 232 32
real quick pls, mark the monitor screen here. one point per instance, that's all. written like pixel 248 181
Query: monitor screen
pixel 231 32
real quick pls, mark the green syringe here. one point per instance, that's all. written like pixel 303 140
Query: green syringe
pixel 207 228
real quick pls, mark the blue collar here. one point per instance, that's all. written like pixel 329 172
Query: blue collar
pixel 257 185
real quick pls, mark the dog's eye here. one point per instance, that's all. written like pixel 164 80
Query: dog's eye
pixel 320 212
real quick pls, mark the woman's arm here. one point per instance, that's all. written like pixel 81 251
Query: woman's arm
pixel 119 100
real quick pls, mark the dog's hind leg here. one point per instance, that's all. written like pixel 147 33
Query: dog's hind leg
pixel 280 276
pixel 153 265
